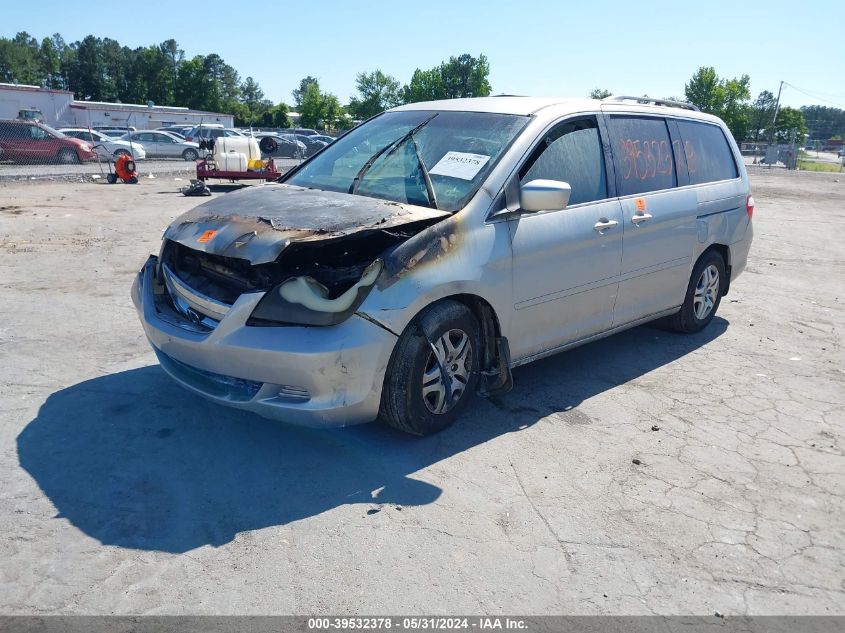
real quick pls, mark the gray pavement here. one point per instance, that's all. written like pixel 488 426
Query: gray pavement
pixel 124 494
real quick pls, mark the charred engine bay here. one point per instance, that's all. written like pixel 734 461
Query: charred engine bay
pixel 337 264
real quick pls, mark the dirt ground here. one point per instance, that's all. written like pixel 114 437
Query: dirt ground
pixel 124 494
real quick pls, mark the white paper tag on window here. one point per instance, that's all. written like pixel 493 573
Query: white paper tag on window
pixel 459 165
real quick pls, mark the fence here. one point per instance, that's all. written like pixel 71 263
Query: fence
pixel 30 150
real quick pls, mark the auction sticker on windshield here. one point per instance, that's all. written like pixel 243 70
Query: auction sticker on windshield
pixel 459 165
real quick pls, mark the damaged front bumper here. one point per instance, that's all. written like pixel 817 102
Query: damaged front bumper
pixel 314 376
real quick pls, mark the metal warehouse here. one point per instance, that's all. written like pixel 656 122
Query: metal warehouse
pixel 58 108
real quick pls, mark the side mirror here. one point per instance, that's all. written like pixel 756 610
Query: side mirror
pixel 544 195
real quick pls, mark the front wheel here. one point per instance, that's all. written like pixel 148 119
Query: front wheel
pixel 190 155
pixel 433 371
pixel 704 293
pixel 68 157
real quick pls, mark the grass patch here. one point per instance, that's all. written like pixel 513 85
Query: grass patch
pixel 806 165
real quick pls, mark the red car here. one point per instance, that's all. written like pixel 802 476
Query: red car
pixel 32 142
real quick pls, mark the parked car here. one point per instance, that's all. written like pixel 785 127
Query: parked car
pixel 312 145
pixel 288 146
pixel 32 141
pixel 164 145
pixel 206 132
pixel 323 137
pixel 106 146
pixel 181 130
pixel 417 259
pixel 114 132
pixel 307 131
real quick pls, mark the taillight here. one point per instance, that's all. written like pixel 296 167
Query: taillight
pixel 749 205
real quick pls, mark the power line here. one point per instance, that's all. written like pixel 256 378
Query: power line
pixel 812 96
pixel 829 94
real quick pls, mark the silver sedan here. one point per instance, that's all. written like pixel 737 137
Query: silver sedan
pixel 164 145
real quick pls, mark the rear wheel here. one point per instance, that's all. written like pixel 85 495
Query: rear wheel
pixel 704 293
pixel 190 155
pixel 68 157
pixel 433 372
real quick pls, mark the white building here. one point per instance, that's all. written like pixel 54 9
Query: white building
pixel 58 108
pixel 53 104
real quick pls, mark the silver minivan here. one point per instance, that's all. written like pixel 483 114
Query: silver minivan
pixel 422 256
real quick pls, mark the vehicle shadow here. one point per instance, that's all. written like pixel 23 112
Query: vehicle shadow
pixel 135 461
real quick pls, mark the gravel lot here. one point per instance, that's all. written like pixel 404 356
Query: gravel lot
pixel 124 494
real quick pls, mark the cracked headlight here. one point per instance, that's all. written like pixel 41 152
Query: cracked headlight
pixel 305 301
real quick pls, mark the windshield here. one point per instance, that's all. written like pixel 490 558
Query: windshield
pixel 456 150
pixel 55 133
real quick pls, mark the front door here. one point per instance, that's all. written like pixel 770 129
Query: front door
pixel 566 262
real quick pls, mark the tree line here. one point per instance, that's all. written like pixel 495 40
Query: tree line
pixel 752 121
pixel 101 69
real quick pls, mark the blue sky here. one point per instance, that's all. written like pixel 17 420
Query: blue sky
pixel 537 48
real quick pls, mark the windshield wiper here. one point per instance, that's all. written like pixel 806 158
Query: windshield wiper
pixel 389 148
pixel 429 188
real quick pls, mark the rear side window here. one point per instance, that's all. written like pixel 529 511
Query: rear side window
pixel 709 157
pixel 642 154
pixel 570 152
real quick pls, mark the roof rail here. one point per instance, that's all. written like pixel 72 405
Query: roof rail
pixel 660 102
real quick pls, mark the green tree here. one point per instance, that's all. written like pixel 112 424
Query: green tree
pixel 51 64
pixel 299 93
pixel 599 93
pixel 466 76
pixel 824 122
pixel 761 114
pixel 377 92
pixel 789 120
pixel 19 60
pixel 462 76
pixel 277 116
pixel 426 85
pixel 255 105
pixel 726 98
pixel 320 110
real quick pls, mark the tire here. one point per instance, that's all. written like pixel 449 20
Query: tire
pixel 704 293
pixel 268 145
pixel 415 398
pixel 132 181
pixel 191 155
pixel 68 157
pixel 111 179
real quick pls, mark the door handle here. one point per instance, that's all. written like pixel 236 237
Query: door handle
pixel 604 224
pixel 641 217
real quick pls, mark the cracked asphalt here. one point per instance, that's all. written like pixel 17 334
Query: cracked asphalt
pixel 648 473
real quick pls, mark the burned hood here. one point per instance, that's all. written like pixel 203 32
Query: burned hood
pixel 257 223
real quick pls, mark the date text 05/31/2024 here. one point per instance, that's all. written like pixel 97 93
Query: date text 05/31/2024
pixel 416 623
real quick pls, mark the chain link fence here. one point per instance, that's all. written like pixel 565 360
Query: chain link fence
pixel 32 150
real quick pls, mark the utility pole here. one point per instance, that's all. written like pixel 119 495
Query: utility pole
pixel 775 118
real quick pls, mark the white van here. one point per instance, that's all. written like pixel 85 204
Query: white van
pixel 420 257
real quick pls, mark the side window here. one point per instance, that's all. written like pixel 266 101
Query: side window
pixel 709 157
pixel 570 152
pixel 642 154
pixel 144 138
pixel 38 134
